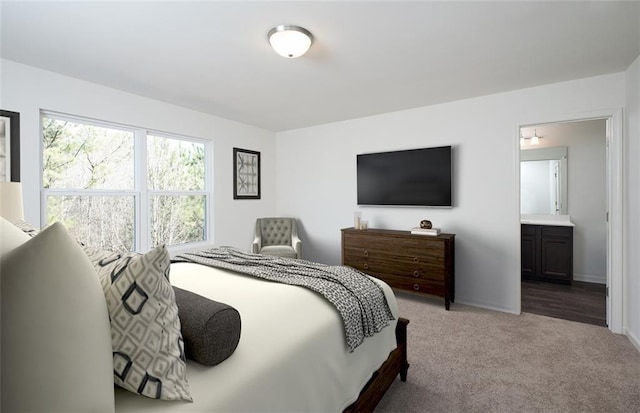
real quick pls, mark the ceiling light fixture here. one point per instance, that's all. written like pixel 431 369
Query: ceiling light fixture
pixel 290 41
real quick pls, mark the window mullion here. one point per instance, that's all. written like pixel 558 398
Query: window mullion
pixel 143 204
pixel 209 187
pixel 169 192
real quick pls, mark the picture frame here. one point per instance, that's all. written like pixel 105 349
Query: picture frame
pixel 246 174
pixel 9 146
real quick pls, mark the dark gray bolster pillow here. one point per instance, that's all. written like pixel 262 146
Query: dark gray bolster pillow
pixel 210 330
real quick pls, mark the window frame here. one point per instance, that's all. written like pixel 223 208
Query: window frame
pixel 141 193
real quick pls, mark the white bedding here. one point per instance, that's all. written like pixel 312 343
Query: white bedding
pixel 292 355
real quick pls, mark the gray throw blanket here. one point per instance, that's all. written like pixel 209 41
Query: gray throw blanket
pixel 359 300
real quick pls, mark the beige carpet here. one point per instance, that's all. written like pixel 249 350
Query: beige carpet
pixel 475 360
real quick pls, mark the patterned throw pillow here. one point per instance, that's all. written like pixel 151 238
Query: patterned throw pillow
pixel 148 349
pixel 32 231
pixel 27 228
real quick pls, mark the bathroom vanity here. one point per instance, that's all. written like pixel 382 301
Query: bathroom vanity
pixel 547 249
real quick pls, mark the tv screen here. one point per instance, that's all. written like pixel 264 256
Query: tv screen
pixel 417 177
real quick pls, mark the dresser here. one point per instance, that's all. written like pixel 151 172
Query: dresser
pixel 417 263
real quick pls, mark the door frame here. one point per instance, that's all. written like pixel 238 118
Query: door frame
pixel 615 229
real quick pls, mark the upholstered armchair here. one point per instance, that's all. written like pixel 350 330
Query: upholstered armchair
pixel 277 236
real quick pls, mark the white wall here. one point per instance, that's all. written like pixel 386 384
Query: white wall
pixel 27 90
pixel 632 203
pixel 315 172
pixel 587 191
pixel 316 176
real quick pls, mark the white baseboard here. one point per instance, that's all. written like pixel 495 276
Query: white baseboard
pixel 597 279
pixel 633 339
pixel 487 306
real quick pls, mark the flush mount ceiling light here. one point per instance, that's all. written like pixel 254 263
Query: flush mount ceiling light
pixel 290 41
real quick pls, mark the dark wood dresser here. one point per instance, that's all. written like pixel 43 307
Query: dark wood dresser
pixel 418 263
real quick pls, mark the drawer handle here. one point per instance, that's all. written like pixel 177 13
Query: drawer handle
pixel 416 259
pixel 416 273
pixel 416 287
pixel 366 253
pixel 366 266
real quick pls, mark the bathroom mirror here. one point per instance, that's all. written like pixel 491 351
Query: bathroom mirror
pixel 543 181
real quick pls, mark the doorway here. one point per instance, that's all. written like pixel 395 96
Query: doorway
pixel 597 266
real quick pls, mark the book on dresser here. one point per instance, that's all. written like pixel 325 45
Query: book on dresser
pixel 425 231
pixel 409 262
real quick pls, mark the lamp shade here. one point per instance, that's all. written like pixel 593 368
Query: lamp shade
pixel 290 41
pixel 11 207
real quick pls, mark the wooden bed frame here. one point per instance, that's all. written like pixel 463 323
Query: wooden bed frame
pixel 382 378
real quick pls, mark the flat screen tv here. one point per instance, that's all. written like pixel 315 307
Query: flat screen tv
pixel 416 177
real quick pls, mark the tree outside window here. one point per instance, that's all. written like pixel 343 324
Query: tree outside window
pixel 99 182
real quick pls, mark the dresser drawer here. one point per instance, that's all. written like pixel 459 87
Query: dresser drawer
pixel 420 286
pixel 406 268
pixel 398 266
pixel 403 252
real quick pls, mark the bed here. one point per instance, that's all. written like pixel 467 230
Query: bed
pixel 291 356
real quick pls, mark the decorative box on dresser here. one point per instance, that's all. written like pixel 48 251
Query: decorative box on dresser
pixel 421 264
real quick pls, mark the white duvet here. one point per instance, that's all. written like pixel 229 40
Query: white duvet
pixel 291 357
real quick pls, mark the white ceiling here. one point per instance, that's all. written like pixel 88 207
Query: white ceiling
pixel 368 57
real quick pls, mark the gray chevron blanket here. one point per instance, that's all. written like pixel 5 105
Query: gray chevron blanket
pixel 359 300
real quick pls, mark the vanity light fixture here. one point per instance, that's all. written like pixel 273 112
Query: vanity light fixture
pixel 535 138
pixel 290 41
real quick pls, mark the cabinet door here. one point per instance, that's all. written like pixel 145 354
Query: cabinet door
pixel 556 249
pixel 529 252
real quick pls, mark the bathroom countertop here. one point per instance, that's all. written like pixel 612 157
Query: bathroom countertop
pixel 555 220
pixel 544 222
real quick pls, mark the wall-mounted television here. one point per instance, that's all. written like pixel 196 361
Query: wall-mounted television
pixel 415 177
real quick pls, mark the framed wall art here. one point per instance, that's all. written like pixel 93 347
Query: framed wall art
pixel 9 146
pixel 246 174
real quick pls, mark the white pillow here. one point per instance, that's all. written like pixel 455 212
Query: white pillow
pixel 56 340
pixel 10 236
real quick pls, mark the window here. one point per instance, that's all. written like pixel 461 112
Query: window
pixel 176 182
pixel 121 188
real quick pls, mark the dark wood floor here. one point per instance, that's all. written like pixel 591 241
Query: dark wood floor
pixel 580 301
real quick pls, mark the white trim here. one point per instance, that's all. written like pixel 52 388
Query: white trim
pixel 488 306
pixel 167 135
pixel 159 192
pixel 516 147
pixel 86 121
pixel 143 221
pixel 43 198
pixel 89 192
pixel 588 278
pixel 632 338
pixel 615 231
pixel 210 188
pixel 7 147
